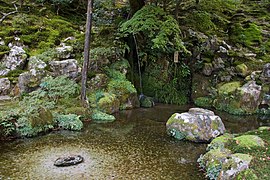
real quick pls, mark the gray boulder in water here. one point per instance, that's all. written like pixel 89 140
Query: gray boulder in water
pixel 197 125
pixel 68 161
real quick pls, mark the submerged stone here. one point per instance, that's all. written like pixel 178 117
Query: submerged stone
pixel 68 161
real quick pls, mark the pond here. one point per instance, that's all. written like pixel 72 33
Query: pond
pixel 135 146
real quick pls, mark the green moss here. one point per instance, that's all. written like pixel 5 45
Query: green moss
pixel 242 69
pixel 247 175
pixel 15 73
pixel 248 36
pixel 220 142
pixel 249 141
pixel 121 88
pixel 108 103
pixel 229 87
pixel 205 102
pixel 264 128
pixel 206 25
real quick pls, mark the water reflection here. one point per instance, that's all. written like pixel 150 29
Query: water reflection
pixel 135 146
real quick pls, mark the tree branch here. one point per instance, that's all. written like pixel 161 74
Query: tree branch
pixel 7 14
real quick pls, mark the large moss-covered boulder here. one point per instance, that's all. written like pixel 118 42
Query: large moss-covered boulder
pixel 108 103
pixel 249 141
pixel 236 99
pixel 197 125
pixel 221 142
pixel 125 92
pixel 221 164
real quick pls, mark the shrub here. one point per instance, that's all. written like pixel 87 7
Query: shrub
pixel 69 122
pixel 162 31
pixel 59 87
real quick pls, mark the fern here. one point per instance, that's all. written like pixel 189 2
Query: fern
pixel 162 31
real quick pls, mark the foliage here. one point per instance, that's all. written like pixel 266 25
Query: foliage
pixel 108 12
pixel 7 126
pixel 162 31
pixel 213 171
pixel 177 134
pixel 167 86
pixel 219 5
pixel 248 36
pixel 57 2
pixel 69 121
pixel 121 87
pixel 206 25
pixel 203 102
pixel 260 162
pixel 59 87
pixel 99 116
pixel 27 130
pixel 34 112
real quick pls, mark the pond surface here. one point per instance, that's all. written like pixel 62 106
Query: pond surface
pixel 135 146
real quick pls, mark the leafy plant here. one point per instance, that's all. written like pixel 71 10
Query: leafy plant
pixel 59 87
pixel 204 18
pixel 7 119
pixel 162 31
pixel 69 121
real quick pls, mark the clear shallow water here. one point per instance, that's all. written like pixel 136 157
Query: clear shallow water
pixel 135 146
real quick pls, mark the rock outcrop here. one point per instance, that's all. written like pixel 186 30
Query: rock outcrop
pixel 197 125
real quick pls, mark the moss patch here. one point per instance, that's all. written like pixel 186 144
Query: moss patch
pixel 249 141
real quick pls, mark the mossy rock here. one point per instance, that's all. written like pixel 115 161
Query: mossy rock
pixel 247 175
pixel 146 102
pixel 249 141
pixel 234 164
pixel 204 102
pixel 122 89
pixel 229 87
pixel 214 158
pixel 108 103
pixel 264 128
pixel 242 69
pixel 101 117
pixel 221 142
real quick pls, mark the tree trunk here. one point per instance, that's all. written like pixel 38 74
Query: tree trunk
pixel 86 52
pixel 135 5
pixel 177 9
